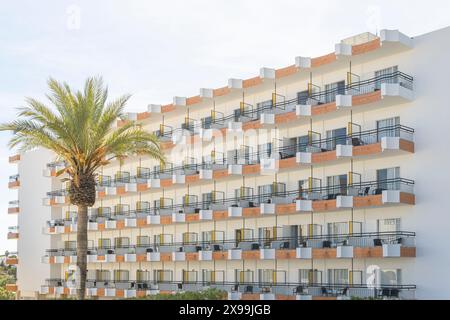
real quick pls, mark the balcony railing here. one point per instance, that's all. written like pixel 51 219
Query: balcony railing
pixel 315 146
pixel 363 240
pixel 14 178
pixel 358 189
pixel 13 229
pixel 13 232
pixel 13 204
pixel 284 152
pixel 325 289
pixel 249 113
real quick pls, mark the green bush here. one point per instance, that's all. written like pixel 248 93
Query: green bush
pixel 6 295
pixel 209 294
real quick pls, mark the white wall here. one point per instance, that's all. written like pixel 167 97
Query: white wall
pixel 429 115
pixel 31 273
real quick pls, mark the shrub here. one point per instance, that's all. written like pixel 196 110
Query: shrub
pixel 6 295
pixel 208 294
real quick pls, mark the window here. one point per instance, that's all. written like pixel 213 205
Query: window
pixel 102 275
pixel 308 276
pixel 335 137
pixel 266 276
pixel 142 241
pixel 266 192
pixel 237 114
pixel 190 238
pixel 189 276
pixel 388 225
pixel 242 154
pixel 336 185
pixel 302 97
pixel 142 275
pixel 264 150
pixel 385 76
pixel 267 235
pixel 206 200
pixel 302 143
pixel 387 179
pixel 388 128
pixel 243 276
pixel 211 276
pixel 122 242
pixel 212 236
pixel 333 89
pixel 206 122
pixel 243 235
pixel 121 275
pixel 390 277
pixel 337 276
pixel 303 187
pixel 262 106
pixel 337 228
pixel 356 277
pixel 104 243
pixel 163 239
pixel 243 193
pixel 70 245
pixel 162 275
pixel 142 206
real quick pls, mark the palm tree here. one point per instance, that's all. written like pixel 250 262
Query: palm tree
pixel 80 130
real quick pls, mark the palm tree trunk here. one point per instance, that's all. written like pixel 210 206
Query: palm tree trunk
pixel 82 244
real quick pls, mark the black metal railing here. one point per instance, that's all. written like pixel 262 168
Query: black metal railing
pixel 359 189
pixel 367 239
pixel 250 113
pixel 14 178
pixel 284 152
pixel 378 291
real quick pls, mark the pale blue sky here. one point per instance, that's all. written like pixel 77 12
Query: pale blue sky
pixel 158 49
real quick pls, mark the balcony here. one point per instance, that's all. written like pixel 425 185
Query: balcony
pixel 373 92
pixel 61 226
pixel 54 168
pixel 56 198
pixel 376 92
pixel 14 159
pixel 13 207
pixel 396 139
pixel 237 290
pixel 312 198
pixel 11 285
pixel 359 195
pixel 14 182
pixel 13 233
pixel 352 245
pixel 12 259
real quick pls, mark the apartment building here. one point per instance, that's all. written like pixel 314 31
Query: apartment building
pixel 320 180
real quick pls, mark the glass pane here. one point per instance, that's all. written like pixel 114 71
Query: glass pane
pixel 302 97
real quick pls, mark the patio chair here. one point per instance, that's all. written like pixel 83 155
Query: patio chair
pixel 377 243
pixel 284 245
pixel 326 244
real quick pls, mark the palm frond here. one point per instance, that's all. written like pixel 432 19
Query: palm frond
pixel 80 128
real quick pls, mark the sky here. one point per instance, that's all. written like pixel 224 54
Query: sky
pixel 155 50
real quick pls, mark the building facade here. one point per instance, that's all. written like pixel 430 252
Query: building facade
pixel 306 182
